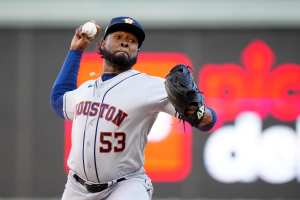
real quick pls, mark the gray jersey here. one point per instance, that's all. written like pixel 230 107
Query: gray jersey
pixel 111 121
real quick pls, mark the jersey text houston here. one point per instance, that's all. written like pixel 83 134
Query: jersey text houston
pixel 106 111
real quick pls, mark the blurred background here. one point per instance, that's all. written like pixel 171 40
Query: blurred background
pixel 245 58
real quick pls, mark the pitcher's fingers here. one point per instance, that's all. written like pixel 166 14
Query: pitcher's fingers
pixel 98 29
pixel 86 40
pixel 78 32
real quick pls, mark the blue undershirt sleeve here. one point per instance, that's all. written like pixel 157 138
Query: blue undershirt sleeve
pixel 65 81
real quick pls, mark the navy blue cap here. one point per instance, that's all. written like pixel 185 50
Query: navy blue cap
pixel 127 24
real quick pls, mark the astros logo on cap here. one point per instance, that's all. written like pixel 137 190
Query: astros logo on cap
pixel 128 21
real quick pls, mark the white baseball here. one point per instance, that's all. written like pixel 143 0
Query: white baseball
pixel 90 29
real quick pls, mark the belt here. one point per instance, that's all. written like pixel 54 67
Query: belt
pixel 93 188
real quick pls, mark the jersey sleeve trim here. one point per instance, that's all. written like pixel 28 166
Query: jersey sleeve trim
pixel 65 110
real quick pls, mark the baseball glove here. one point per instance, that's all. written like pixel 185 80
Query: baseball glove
pixel 184 94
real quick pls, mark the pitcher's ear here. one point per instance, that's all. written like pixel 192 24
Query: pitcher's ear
pixel 100 44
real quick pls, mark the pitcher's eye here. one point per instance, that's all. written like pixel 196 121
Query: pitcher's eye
pixel 132 40
pixel 117 37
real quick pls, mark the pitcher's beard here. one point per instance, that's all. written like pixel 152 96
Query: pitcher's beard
pixel 120 61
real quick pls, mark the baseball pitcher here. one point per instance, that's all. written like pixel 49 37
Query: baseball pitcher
pixel 113 114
